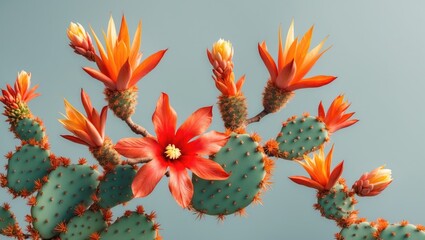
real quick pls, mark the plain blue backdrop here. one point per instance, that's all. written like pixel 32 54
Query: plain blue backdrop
pixel 377 53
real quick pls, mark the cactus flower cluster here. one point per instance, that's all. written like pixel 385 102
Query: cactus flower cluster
pixel 230 168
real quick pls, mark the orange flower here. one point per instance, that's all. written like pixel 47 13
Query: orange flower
pixel 119 65
pixel 90 130
pixel 319 169
pixel 336 118
pixel 373 183
pixel 294 62
pixel 175 150
pixel 80 41
pixel 220 58
pixel 21 91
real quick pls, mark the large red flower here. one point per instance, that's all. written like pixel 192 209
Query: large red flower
pixel 176 151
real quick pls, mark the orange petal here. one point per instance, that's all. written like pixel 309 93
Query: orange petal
pixel 268 60
pixel 205 168
pixel 306 182
pixel 313 82
pixel 205 145
pixel 164 120
pixel 240 83
pixel 286 75
pixel 221 87
pixel 146 66
pixel 138 148
pixel 134 51
pixel 101 77
pixel 336 173
pixel 75 139
pixel 197 123
pixel 124 77
pixel 123 34
pixel 147 178
pixel 321 111
pixel 180 185
pixel 85 99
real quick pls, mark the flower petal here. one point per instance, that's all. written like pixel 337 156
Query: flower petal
pixel 180 184
pixel 197 123
pixel 205 168
pixel 336 173
pixel 268 60
pixel 146 66
pixel 124 76
pixel 145 147
pixel 75 139
pixel 164 120
pixel 306 182
pixel 207 144
pixel 101 77
pixel 148 177
pixel 312 82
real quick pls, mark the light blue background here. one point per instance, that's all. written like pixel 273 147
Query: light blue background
pixel 378 55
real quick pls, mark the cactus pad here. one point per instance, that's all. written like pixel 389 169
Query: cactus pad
pixel 402 232
pixel 29 128
pixel 301 135
pixel 115 187
pixel 242 159
pixel 336 204
pixel 132 225
pixel 7 219
pixel 81 227
pixel 67 187
pixel 359 231
pixel 27 165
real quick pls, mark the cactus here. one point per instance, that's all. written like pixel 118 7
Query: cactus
pixel 401 231
pixel 133 225
pixel 122 103
pixel 241 157
pixel 27 165
pixel 115 186
pixel 8 224
pixel 67 187
pixel 29 128
pixel 358 231
pixel 233 111
pixel 81 227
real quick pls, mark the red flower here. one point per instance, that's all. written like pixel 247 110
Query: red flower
pixel 176 151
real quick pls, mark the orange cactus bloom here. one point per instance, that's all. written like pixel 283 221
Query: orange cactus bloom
pixel 80 41
pixel 373 183
pixel 21 92
pixel 220 58
pixel 319 169
pixel 119 64
pixel 336 118
pixel 90 130
pixel 294 62
pixel 176 151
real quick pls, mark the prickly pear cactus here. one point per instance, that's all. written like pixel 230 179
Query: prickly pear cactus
pixel 301 135
pixel 358 231
pixel 29 128
pixel 337 203
pixel 241 157
pixel 81 227
pixel 133 225
pixel 27 165
pixel 402 231
pixel 115 187
pixel 233 111
pixel 7 219
pixel 66 188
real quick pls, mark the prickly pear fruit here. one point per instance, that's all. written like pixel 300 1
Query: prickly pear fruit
pixel 66 188
pixel 122 103
pixel 244 160
pixel 81 227
pixel 233 111
pixel 115 186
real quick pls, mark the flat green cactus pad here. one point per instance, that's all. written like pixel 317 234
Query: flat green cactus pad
pixel 300 136
pixel 131 226
pixel 81 227
pixel 29 128
pixel 115 187
pixel 6 218
pixel 360 231
pixel 67 187
pixel 402 232
pixel 26 166
pixel 242 159
pixel 337 204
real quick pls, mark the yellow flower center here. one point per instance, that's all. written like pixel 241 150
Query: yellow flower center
pixel 223 49
pixel 172 152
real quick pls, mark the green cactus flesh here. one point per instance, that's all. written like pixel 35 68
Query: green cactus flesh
pixel 7 219
pixel 29 128
pixel 27 165
pixel 115 187
pixel 336 204
pixel 360 231
pixel 131 226
pixel 67 187
pixel 81 227
pixel 239 157
pixel 300 136
pixel 402 232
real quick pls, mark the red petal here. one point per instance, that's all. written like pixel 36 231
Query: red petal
pixel 146 66
pixel 101 77
pixel 321 111
pixel 147 178
pixel 268 60
pixel 75 139
pixel 207 144
pixel 286 75
pixel 138 148
pixel 85 99
pixel 205 168
pixel 313 82
pixel 336 173
pixel 240 83
pixel 164 120
pixel 180 185
pixel 124 76
pixel 195 124
pixel 210 58
pixel 306 182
